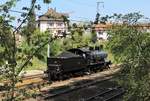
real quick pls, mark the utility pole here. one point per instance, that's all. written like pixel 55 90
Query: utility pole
pixel 98 13
pixel 98 6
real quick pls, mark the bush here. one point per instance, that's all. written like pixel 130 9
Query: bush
pixel 131 48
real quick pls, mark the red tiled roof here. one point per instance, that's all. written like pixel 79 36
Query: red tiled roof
pixel 102 26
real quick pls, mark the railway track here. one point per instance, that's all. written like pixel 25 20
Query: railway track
pixel 102 91
pixel 107 95
pixel 37 79
pixel 26 81
pixel 32 76
pixel 73 88
pixel 32 79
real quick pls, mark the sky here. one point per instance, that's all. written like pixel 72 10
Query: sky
pixel 85 10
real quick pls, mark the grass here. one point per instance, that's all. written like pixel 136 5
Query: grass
pixel 37 65
pixel 111 57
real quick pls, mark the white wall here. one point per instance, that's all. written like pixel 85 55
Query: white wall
pixel 102 35
pixel 43 26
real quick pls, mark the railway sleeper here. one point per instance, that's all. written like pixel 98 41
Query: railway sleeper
pixel 73 88
pixel 120 92
pixel 106 95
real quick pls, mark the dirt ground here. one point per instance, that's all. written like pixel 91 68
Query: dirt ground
pixel 114 69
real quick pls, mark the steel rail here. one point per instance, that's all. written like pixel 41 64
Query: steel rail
pixel 107 91
pixel 32 76
pixel 116 95
pixel 74 88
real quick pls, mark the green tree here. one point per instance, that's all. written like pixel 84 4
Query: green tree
pixel 37 39
pixel 67 43
pixel 130 48
pixel 9 51
pixel 76 35
pixel 97 18
pixel 56 47
pixel 29 29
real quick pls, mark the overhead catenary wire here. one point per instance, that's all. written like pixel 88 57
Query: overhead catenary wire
pixel 81 3
pixel 74 20
pixel 16 11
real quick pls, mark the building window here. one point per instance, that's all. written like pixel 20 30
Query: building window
pixel 59 24
pixel 50 24
pixel 59 31
pixel 100 32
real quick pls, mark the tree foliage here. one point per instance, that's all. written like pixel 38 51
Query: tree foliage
pixel 29 29
pixel 97 18
pixel 79 37
pixel 130 46
pixel 13 61
pixel 37 39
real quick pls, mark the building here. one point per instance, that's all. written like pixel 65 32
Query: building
pixel 143 27
pixel 101 29
pixel 53 22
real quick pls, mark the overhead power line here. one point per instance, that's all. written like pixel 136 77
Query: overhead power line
pixel 81 3
pixel 16 11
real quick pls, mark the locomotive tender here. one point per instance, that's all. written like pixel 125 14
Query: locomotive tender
pixel 76 60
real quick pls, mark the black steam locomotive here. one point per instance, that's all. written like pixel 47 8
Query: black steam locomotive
pixel 76 60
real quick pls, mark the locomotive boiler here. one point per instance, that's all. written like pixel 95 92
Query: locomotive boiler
pixel 76 60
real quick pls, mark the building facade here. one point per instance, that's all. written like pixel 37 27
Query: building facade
pixel 101 29
pixel 53 22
